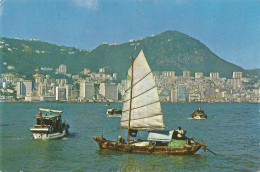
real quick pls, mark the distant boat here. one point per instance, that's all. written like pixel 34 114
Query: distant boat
pixel 49 125
pixel 142 111
pixel 199 114
pixel 114 112
pixel 107 103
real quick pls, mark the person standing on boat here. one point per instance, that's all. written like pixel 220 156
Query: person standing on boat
pixel 40 114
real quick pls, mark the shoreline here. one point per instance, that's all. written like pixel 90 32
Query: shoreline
pixel 111 102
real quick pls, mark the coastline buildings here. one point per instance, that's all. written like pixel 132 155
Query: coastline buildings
pixel 101 86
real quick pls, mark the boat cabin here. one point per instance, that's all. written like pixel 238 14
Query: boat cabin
pixel 167 137
pixel 51 120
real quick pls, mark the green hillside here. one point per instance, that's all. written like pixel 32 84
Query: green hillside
pixel 170 50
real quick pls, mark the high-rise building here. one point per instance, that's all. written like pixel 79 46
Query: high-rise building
pixel 214 75
pixel 186 74
pixel 62 69
pixel 168 73
pixel 1 82
pixel 198 75
pixel 235 83
pixel 174 95
pixel 61 82
pixel 237 75
pixel 68 91
pixel 24 88
pixel 182 92
pixel 109 91
pixel 42 89
pixel 87 90
pixel 60 93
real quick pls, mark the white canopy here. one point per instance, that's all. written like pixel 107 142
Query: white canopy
pixel 50 110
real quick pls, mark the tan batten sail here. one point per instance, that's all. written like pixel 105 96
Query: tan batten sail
pixel 146 113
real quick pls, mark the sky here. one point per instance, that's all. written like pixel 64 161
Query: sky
pixel 230 28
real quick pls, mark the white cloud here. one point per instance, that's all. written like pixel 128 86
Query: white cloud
pixel 90 4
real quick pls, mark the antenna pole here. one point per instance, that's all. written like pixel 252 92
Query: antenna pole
pixel 131 91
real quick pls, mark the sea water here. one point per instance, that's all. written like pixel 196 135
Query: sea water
pixel 232 131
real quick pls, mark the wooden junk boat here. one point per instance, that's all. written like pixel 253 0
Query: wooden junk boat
pixel 199 114
pixel 49 126
pixel 142 111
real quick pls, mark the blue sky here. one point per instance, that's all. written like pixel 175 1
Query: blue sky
pixel 230 28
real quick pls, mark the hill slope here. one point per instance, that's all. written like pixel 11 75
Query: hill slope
pixel 170 50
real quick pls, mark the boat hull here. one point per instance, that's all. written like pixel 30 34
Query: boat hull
pixel 48 136
pixel 113 145
pixel 198 117
pixel 114 116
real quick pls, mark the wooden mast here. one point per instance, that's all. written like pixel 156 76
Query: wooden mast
pixel 131 91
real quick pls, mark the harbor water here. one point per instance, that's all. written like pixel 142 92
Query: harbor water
pixel 232 131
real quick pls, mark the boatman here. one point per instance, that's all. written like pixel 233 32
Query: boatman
pixel 40 114
pixel 180 133
pixel 121 140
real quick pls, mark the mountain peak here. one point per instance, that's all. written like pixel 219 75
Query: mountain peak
pixel 170 50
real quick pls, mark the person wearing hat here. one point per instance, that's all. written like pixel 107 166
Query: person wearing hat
pixel 121 140
pixel 180 133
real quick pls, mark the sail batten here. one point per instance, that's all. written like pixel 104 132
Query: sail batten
pixel 137 82
pixel 144 117
pixel 140 106
pixel 145 111
pixel 140 94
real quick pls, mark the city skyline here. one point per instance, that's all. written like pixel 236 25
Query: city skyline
pixel 90 86
pixel 231 29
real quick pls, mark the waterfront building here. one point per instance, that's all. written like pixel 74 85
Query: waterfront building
pixel 87 90
pixel 237 75
pixel 109 91
pixel 68 91
pixel 42 89
pixel 23 88
pixel 194 97
pixel 28 87
pixel 60 93
pixel 74 94
pixel 182 92
pixel 174 95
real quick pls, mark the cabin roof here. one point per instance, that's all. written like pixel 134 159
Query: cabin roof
pixel 50 110
pixel 48 116
pixel 160 135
